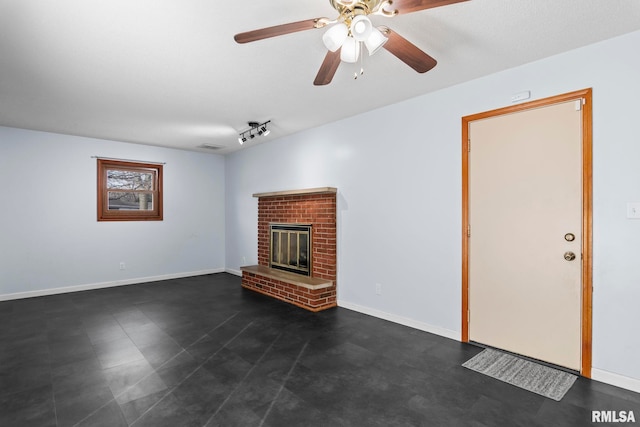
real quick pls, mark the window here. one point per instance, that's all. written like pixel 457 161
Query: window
pixel 129 191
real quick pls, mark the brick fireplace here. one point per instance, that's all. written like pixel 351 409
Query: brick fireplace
pixel 315 207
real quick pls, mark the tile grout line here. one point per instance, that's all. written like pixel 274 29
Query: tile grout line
pixel 243 379
pixel 284 382
pixel 53 396
pixel 155 370
pixel 172 339
pixel 172 389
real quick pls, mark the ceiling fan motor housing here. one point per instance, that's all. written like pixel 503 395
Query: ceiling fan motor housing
pixel 360 7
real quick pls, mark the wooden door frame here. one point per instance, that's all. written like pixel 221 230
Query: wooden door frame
pixel 587 211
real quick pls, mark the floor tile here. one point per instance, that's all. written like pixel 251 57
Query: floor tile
pixel 234 416
pixel 136 408
pixel 161 351
pixel 177 369
pixel 490 411
pixel 32 407
pixel 71 349
pixel 103 333
pixel 147 334
pixel 75 405
pixel 146 386
pixel 122 377
pixel 117 352
pixel 131 318
pixel 109 415
pixel 24 377
pixel 168 412
pixel 554 413
pixel 75 375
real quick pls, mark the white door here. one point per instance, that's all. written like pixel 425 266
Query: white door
pixel 525 216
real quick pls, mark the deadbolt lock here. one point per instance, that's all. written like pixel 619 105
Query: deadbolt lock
pixel 569 237
pixel 569 256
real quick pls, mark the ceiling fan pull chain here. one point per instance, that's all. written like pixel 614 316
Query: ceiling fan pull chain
pixel 361 59
pixel 355 73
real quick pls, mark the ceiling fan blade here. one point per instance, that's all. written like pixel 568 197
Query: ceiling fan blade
pixel 408 53
pixel 277 30
pixel 328 68
pixel 408 6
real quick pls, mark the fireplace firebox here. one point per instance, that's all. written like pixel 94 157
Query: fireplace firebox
pixel 290 248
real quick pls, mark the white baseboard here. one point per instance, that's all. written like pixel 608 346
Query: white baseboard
pixel 87 287
pixel 610 378
pixel 234 272
pixel 443 332
pixel 617 380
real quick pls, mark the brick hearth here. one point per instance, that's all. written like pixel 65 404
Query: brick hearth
pixel 318 208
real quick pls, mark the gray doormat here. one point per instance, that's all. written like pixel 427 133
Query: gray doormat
pixel 540 379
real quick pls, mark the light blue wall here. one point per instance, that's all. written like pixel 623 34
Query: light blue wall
pixel 49 235
pixel 398 173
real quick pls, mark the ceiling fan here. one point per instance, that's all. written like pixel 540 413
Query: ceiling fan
pixel 352 29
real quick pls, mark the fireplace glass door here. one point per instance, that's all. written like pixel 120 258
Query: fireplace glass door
pixel 291 248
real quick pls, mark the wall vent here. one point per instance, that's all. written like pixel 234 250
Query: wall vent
pixel 211 146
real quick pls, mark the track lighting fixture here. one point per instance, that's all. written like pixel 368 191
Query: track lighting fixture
pixel 255 128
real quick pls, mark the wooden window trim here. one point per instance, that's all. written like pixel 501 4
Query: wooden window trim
pixel 104 214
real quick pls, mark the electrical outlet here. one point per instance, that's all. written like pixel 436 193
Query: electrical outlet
pixel 244 260
pixel 122 266
pixel 633 210
pixel 378 289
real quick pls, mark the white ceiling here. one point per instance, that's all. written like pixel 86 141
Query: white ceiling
pixel 168 72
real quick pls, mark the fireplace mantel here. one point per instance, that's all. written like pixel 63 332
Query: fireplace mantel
pixel 303 192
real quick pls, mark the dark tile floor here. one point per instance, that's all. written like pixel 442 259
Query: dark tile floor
pixel 202 351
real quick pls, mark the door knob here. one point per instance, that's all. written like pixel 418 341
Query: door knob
pixel 569 256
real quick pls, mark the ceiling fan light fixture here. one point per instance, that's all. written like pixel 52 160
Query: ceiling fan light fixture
pixel 350 50
pixel 335 36
pixel 375 41
pixel 361 28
